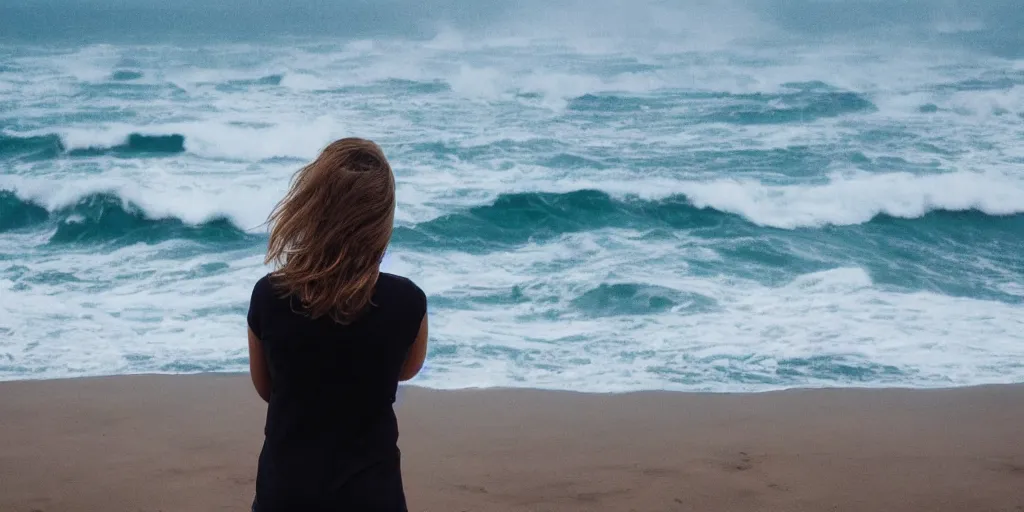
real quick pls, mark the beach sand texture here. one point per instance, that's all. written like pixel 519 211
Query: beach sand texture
pixel 189 443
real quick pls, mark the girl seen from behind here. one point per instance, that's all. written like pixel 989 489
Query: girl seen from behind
pixel 330 337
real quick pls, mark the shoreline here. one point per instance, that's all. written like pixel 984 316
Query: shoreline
pixel 413 385
pixel 190 442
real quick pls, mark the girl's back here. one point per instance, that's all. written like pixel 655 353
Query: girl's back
pixel 330 378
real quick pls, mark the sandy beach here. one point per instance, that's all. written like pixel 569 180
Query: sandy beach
pixel 189 443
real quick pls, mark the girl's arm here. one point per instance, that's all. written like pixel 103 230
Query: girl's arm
pixel 258 367
pixel 417 354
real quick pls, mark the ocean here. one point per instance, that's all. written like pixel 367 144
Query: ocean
pixel 706 203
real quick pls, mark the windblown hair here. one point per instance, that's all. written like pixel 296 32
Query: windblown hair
pixel 329 233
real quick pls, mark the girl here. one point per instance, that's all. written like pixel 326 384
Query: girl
pixel 330 337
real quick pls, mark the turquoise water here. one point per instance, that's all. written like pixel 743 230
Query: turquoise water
pixel 735 207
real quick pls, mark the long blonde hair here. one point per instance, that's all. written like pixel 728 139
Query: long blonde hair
pixel 329 233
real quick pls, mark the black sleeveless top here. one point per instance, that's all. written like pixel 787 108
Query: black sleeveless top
pixel 330 419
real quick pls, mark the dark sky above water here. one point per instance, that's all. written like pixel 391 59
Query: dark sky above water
pixel 994 26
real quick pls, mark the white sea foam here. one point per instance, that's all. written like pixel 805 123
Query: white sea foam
pixel 152 317
pixel 245 207
pixel 989 104
pixel 169 323
pixel 478 82
pixel 91 63
pixel 844 200
pixel 304 82
pixel 855 200
pixel 295 138
pixel 169 307
pixel 244 202
pixel 753 329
